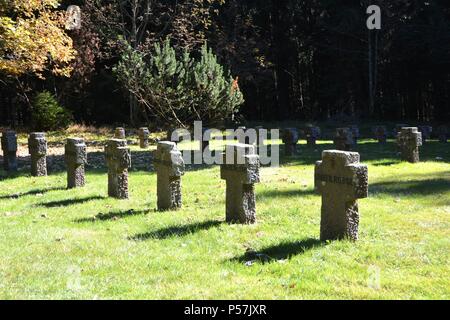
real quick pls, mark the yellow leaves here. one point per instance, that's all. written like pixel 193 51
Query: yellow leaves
pixel 32 39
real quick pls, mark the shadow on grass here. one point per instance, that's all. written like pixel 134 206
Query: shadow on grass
pixel 412 187
pixel 285 193
pixel 282 251
pixel 113 215
pixel 68 202
pixel 31 193
pixel 6 175
pixel 385 163
pixel 176 231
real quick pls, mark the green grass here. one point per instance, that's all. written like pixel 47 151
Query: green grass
pixel 80 244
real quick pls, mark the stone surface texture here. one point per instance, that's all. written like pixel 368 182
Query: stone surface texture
pixel 169 166
pixel 37 147
pixel 9 147
pixel 144 134
pixel 119 133
pixel 240 170
pixel 75 157
pixel 341 180
pixel 118 160
pixel 343 139
pixel 409 139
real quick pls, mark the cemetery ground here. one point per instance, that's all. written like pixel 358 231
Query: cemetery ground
pixel 63 244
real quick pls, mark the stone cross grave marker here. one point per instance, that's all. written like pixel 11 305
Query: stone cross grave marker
pixel 343 139
pixel 169 165
pixel 9 147
pixel 380 133
pixel 426 132
pixel 37 147
pixel 341 180
pixel 409 140
pixel 143 137
pixel 118 160
pixel 442 133
pixel 240 170
pixel 312 133
pixel 119 133
pixel 290 139
pixel 75 157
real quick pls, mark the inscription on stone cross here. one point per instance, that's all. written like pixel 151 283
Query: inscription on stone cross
pixel 341 180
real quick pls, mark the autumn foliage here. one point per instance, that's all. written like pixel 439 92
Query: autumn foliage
pixel 32 38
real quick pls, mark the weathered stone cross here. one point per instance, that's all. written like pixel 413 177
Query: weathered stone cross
pixel 143 137
pixel 290 140
pixel 240 169
pixel 409 140
pixel 119 133
pixel 118 160
pixel 343 139
pixel 9 147
pixel 380 133
pixel 341 180
pixel 75 157
pixel 169 165
pixel 312 134
pixel 37 146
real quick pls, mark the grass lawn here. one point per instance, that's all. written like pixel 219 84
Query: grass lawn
pixel 79 244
